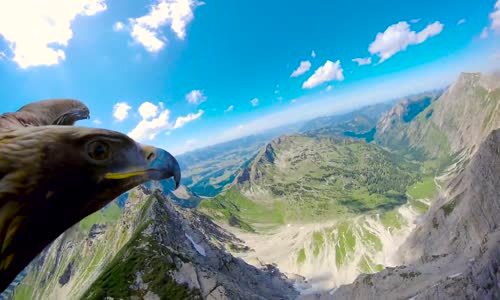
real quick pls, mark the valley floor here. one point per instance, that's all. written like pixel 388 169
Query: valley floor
pixel 328 254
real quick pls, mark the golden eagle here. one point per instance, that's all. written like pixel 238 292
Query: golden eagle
pixel 53 176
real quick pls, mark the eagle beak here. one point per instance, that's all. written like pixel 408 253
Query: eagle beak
pixel 155 164
pixel 161 164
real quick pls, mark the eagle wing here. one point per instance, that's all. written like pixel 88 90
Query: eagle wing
pixel 46 112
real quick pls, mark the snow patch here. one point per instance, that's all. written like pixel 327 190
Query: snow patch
pixel 454 275
pixel 196 246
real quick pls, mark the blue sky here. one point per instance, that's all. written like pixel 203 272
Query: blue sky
pixel 182 74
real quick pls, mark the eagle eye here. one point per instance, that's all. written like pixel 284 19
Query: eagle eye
pixel 98 150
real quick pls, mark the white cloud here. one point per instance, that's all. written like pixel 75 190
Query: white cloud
pixel 495 17
pixel 120 111
pixel 313 54
pixel 196 97
pixel 254 102
pixel 461 21
pixel 148 110
pixel 149 39
pixel 155 119
pixel 414 21
pixel 119 26
pixel 2 55
pixel 329 88
pixel 398 37
pixel 177 14
pixel 229 109
pixel 327 72
pixel 181 121
pixel 97 122
pixel 303 67
pixel 362 61
pixel 484 33
pixel 36 31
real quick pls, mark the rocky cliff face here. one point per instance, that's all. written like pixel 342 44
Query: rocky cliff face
pixel 455 252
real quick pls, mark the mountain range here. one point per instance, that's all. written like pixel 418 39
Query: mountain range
pixel 395 200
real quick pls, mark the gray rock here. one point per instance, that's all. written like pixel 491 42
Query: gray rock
pixel 455 253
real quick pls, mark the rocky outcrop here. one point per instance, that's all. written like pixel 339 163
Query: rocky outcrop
pixel 192 251
pixel 455 252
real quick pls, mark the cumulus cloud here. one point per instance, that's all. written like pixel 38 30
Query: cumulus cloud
pixel 398 37
pixel 148 110
pixel 461 21
pixel 303 67
pixel 313 54
pixel 328 72
pixel 36 31
pixel 229 109
pixel 196 97
pixel 177 14
pixel 362 61
pixel 254 102
pixel 155 119
pixel 97 122
pixel 414 21
pixel 484 33
pixel 329 88
pixel 120 111
pixel 495 17
pixel 119 26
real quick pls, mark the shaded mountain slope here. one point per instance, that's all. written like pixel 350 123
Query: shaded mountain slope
pixel 458 121
pixel 455 252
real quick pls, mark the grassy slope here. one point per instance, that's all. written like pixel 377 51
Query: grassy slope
pixel 320 180
pixel 23 292
pixel 108 215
